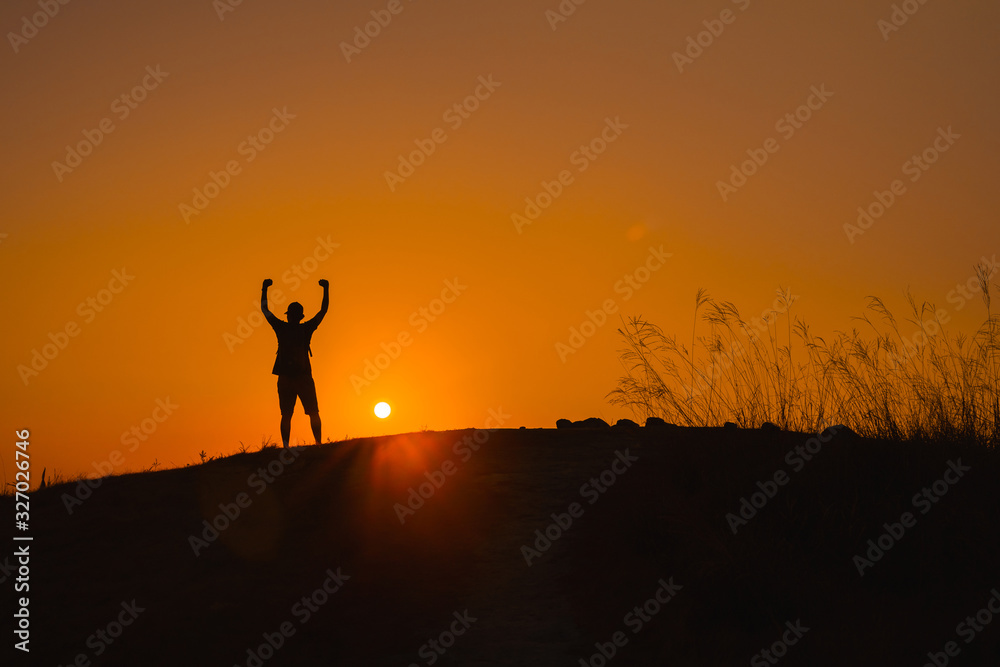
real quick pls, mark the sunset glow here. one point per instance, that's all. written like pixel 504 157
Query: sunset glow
pixel 490 188
pixel 507 332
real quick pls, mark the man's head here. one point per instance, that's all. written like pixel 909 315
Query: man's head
pixel 295 312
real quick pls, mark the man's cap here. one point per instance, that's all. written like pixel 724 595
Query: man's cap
pixel 295 307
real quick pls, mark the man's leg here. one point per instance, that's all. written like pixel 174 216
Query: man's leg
pixel 311 406
pixel 286 429
pixel 316 426
pixel 286 401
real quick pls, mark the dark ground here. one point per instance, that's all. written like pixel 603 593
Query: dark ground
pixel 664 517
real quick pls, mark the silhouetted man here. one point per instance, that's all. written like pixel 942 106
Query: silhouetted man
pixel 292 363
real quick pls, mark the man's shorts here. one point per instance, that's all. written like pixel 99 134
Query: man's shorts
pixel 302 387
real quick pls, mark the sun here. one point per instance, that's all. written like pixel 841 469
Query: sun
pixel 382 410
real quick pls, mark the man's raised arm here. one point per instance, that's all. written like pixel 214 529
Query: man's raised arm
pixel 268 315
pixel 325 284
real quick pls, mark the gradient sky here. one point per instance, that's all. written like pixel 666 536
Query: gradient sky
pixel 323 176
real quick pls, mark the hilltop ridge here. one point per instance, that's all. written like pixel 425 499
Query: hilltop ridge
pixel 536 546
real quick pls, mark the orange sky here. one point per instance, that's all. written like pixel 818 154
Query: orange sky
pixel 330 130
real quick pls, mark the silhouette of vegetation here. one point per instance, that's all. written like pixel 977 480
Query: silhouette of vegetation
pixel 931 385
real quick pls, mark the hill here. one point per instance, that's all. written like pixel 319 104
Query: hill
pixel 668 545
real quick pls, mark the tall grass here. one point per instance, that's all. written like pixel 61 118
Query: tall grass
pixel 930 385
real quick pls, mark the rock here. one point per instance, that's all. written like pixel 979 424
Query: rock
pixel 626 424
pixel 769 427
pixel 592 422
pixel 655 422
pixel 730 426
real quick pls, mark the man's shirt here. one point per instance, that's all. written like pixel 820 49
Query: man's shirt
pixel 293 347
